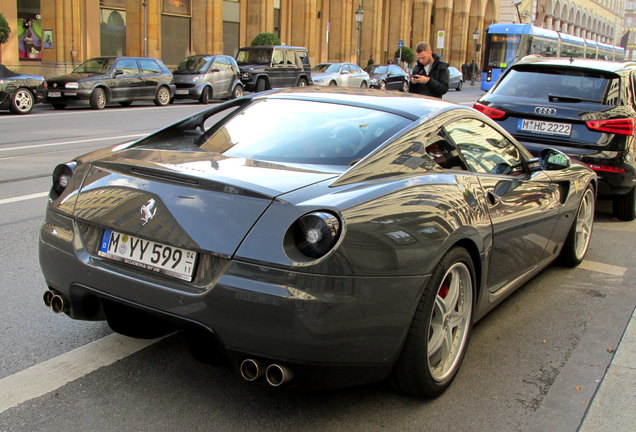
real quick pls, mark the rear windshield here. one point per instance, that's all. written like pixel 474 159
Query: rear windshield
pixel 576 84
pixel 304 132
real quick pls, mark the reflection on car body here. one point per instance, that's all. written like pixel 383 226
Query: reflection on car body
pixel 338 236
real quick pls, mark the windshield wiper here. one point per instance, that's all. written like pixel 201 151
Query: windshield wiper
pixel 559 98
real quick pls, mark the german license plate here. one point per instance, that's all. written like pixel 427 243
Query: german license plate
pixel 148 255
pixel 544 127
pixel 181 92
pixel 55 94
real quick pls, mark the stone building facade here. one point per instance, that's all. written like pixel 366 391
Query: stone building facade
pixel 52 36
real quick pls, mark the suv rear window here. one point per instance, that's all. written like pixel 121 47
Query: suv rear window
pixel 573 84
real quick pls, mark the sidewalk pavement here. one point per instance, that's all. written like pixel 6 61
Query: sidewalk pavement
pixel 613 407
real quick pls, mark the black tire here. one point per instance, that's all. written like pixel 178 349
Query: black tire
pixel 333 84
pixel 578 240
pixel 382 85
pixel 205 96
pixel 237 92
pixel 405 87
pixel 459 86
pixel 261 85
pixel 131 322
pixel 302 82
pixel 364 84
pixel 624 206
pixel 98 99
pixel 126 103
pixel 163 96
pixel 58 106
pixel 443 316
pixel 22 101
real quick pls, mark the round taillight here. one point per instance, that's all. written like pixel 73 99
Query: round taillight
pixel 316 233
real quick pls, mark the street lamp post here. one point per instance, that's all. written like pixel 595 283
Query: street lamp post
pixel 473 66
pixel 359 18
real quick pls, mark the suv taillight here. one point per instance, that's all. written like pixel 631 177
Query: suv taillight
pixel 490 112
pixel 624 126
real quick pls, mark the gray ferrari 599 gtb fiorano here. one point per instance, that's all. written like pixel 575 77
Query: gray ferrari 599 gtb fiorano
pixel 313 237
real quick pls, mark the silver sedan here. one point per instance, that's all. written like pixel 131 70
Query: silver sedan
pixel 339 74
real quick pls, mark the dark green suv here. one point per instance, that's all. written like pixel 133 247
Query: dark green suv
pixel 267 67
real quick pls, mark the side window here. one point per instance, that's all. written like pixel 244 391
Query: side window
pixel 484 149
pixel 302 58
pixel 290 58
pixel 149 66
pixel 128 66
pixel 278 58
pixel 222 63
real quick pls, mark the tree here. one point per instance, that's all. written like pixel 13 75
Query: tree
pixel 408 56
pixel 262 39
pixel 5 30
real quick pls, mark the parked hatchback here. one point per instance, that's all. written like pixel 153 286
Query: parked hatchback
pixel 339 74
pixel 206 77
pixel 103 80
pixel 388 77
pixel 582 107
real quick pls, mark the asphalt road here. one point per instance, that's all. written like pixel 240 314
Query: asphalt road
pixel 534 363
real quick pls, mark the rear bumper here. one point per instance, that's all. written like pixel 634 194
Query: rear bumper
pixel 255 310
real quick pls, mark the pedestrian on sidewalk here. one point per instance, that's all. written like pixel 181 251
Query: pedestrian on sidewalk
pixel 430 74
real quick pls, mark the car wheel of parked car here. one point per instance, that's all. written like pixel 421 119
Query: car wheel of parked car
pixel 237 92
pixel 163 96
pixel 58 106
pixel 98 99
pixel 459 86
pixel 405 86
pixel 363 84
pixel 624 206
pixel 578 240
pixel 22 101
pixel 261 85
pixel 126 103
pixel 302 82
pixel 205 96
pixel 382 85
pixel 333 84
pixel 439 333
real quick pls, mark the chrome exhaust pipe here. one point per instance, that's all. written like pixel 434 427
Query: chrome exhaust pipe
pixel 58 304
pixel 251 370
pixel 48 297
pixel 277 375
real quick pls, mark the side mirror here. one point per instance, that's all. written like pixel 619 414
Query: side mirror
pixel 551 160
pixel 215 70
pixel 118 72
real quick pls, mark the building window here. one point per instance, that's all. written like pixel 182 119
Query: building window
pixel 231 18
pixel 175 31
pixel 29 30
pixel 112 31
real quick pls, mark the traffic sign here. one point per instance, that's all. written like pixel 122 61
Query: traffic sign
pixel 401 43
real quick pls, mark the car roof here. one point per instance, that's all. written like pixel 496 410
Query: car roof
pixel 272 46
pixel 408 105
pixel 604 65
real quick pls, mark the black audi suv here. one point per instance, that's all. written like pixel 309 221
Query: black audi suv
pixel 583 107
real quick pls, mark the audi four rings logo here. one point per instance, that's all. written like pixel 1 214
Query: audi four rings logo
pixel 545 111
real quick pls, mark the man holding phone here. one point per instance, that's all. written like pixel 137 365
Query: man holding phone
pixel 430 75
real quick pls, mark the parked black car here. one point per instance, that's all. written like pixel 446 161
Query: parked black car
pixel 205 77
pixel 267 67
pixel 102 80
pixel 582 107
pixel 389 77
pixel 19 93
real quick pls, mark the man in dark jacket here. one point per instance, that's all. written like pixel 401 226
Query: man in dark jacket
pixel 430 75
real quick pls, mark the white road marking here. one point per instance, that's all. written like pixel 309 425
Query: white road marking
pixel 52 374
pixel 603 268
pixel 23 197
pixel 121 137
